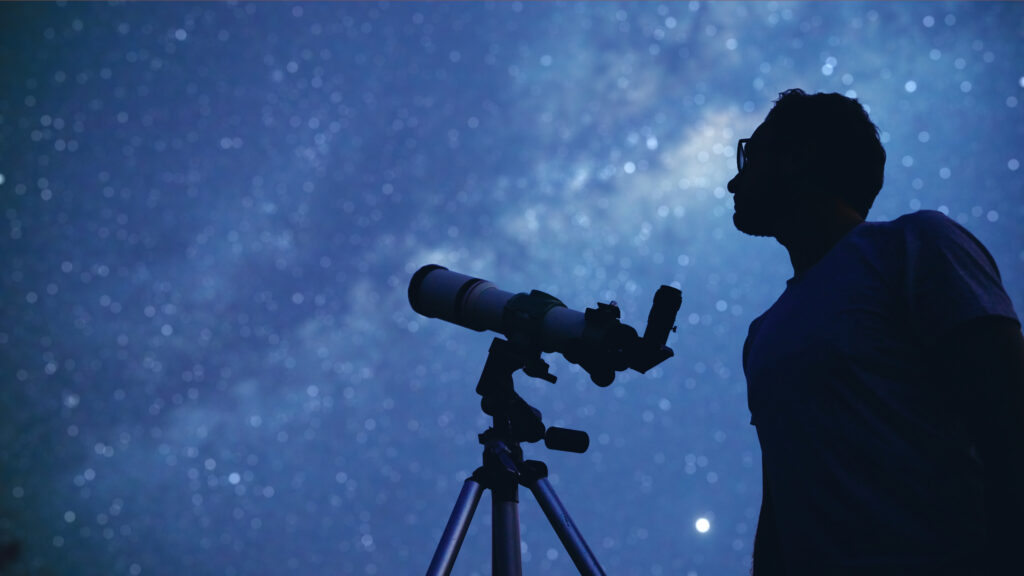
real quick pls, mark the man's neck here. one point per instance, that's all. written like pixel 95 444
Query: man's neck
pixel 809 240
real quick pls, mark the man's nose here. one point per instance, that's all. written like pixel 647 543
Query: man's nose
pixel 733 184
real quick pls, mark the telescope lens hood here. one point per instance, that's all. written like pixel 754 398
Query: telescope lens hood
pixel 414 288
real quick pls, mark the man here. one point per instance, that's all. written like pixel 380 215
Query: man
pixel 886 384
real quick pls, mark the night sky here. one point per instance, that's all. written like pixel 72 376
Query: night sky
pixel 211 213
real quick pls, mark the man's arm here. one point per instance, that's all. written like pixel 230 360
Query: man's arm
pixel 982 361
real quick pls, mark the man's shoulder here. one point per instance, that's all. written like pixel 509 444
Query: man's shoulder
pixel 928 230
pixel 926 223
pixel 933 231
pixel 924 216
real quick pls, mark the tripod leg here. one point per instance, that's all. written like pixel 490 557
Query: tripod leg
pixel 506 553
pixel 567 532
pixel 455 531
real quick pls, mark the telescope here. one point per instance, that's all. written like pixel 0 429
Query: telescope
pixel 531 323
pixel 595 340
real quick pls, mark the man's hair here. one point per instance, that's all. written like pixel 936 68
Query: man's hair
pixel 843 150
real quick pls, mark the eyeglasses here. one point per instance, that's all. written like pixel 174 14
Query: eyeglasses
pixel 741 154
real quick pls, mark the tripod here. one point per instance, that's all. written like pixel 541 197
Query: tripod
pixel 504 470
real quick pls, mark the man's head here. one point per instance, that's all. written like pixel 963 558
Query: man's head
pixel 812 151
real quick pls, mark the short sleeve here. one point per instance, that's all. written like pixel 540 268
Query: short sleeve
pixel 951 277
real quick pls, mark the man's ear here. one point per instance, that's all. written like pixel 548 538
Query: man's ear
pixel 797 160
pixel 798 172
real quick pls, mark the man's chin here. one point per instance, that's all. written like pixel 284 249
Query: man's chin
pixel 751 226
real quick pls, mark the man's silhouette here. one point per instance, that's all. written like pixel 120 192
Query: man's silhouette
pixel 886 384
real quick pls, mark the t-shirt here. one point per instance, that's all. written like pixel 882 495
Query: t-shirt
pixel 866 462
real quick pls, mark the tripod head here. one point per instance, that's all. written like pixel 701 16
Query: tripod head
pixel 515 420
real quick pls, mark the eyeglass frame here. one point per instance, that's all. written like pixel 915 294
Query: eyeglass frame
pixel 741 154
